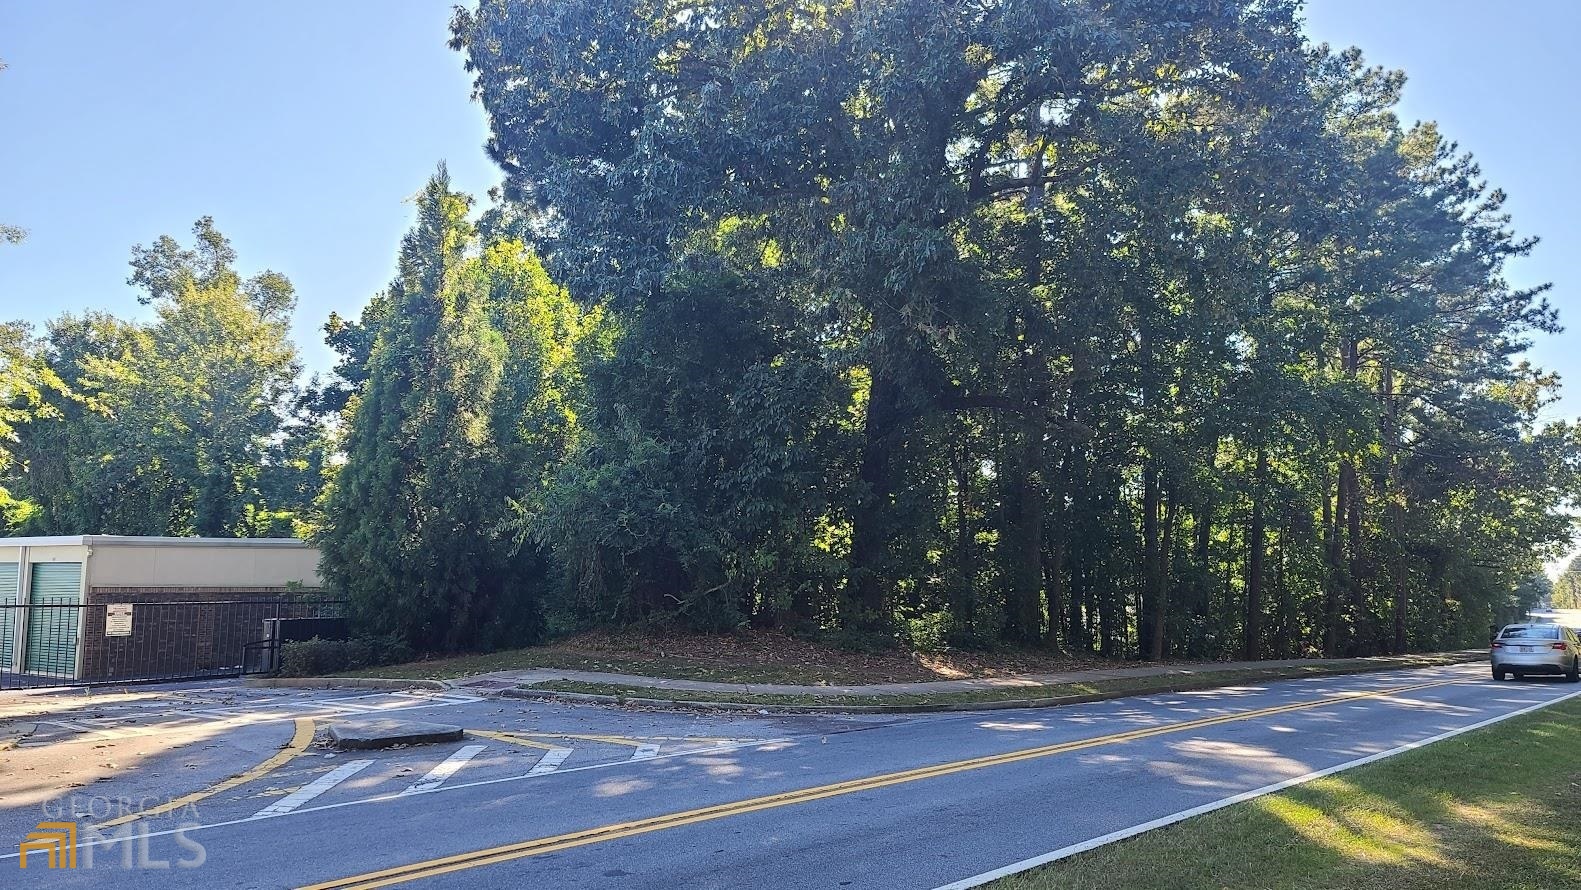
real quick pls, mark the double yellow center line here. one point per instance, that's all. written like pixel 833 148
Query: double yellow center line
pixel 522 849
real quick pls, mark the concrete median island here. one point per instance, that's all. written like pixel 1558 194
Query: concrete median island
pixel 1023 690
pixel 384 733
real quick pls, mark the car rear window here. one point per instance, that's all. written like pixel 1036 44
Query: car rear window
pixel 1543 632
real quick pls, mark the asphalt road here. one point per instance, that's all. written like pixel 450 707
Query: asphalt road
pixel 553 796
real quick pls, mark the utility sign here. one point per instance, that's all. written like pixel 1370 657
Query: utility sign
pixel 118 620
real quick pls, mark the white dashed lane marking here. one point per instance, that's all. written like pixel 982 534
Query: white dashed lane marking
pixel 313 789
pixel 445 770
pixel 550 762
pixel 132 724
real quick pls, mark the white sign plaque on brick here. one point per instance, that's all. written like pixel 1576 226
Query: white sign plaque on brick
pixel 118 620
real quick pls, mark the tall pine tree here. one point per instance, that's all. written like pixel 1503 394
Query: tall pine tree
pixel 444 442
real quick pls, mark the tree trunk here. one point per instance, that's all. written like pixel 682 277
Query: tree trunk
pixel 1079 607
pixel 1332 510
pixel 963 605
pixel 1203 557
pixel 1396 495
pixel 871 513
pixel 1399 603
pixel 1054 592
pixel 1361 630
pixel 1350 484
pixel 1054 558
pixel 1251 643
pixel 1021 536
pixel 1166 575
pixel 1286 627
pixel 1110 626
pixel 1022 540
pixel 1149 637
pixel 1078 604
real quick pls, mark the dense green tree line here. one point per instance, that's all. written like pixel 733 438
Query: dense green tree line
pixel 1129 326
pixel 1137 327
pixel 1565 593
pixel 180 426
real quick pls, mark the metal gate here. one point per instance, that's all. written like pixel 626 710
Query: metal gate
pixel 56 641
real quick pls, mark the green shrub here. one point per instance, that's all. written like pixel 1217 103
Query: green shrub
pixel 316 657
pixel 391 649
pixel 307 658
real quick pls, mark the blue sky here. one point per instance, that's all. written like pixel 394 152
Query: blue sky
pixel 1497 78
pixel 303 128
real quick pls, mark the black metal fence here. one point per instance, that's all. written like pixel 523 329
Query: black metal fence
pixel 65 643
pixel 263 656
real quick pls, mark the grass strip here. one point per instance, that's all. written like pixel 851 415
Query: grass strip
pixel 1497 807
pixel 1118 686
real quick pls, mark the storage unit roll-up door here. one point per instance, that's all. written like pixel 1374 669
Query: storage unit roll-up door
pixel 8 613
pixel 54 595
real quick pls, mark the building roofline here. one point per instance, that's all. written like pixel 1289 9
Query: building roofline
pixel 150 541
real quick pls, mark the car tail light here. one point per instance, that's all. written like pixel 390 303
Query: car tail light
pixel 1560 646
pixel 1498 645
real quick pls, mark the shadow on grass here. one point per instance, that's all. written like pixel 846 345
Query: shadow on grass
pixel 1500 807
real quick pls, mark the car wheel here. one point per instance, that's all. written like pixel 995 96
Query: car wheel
pixel 1499 673
pixel 1574 674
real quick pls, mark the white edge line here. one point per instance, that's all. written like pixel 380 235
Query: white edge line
pixel 1171 819
pixel 385 798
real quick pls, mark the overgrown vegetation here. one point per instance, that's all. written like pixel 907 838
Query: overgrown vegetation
pixel 1142 328
pixel 774 658
pixel 317 657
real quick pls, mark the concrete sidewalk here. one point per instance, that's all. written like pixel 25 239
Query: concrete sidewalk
pixel 527 678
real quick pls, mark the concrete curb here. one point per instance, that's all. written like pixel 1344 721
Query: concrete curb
pixel 368 735
pixel 1197 683
pixel 1185 683
pixel 740 707
pixel 338 682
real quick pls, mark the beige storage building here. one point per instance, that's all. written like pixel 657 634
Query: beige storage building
pixel 70 605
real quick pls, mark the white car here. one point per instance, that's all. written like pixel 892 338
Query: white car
pixel 1522 649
